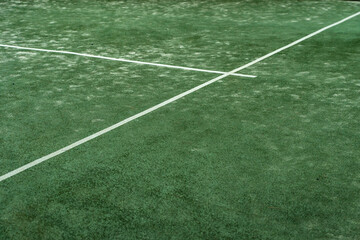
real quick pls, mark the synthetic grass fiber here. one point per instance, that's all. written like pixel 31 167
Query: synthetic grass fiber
pixel 272 157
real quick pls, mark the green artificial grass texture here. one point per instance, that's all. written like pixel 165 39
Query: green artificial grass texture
pixel 275 157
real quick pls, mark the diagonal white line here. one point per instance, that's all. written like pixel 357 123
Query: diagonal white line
pixel 149 110
pixel 123 60
pixel 296 42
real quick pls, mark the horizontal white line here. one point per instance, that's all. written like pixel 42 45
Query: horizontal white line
pixel 149 110
pixel 124 60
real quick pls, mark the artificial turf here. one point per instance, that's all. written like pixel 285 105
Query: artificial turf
pixel 275 157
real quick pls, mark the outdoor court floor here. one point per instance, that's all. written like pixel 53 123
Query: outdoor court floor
pixel 179 119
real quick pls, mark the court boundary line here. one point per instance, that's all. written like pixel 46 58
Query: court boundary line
pixel 164 103
pixel 123 60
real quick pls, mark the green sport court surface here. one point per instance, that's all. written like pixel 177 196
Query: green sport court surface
pixel 271 157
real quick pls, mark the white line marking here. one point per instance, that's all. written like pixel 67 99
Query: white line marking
pixel 149 110
pixel 124 60
pixel 297 41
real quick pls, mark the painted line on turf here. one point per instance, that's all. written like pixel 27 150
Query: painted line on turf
pixel 297 41
pixel 149 110
pixel 123 60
